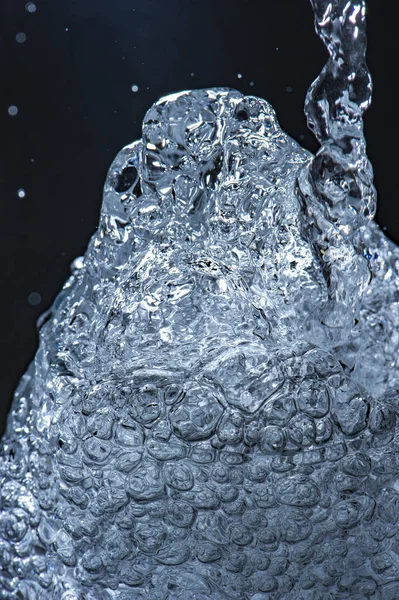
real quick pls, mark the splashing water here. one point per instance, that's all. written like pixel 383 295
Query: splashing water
pixel 338 191
pixel 212 411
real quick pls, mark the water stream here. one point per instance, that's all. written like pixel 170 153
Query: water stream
pixel 212 410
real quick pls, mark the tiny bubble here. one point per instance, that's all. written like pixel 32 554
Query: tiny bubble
pixel 21 193
pixel 34 298
pixel 239 75
pixel 192 74
pixel 32 160
pixel 301 137
pixel 30 7
pixel 12 110
pixel 66 29
pixel 135 88
pixel 251 83
pixel 276 48
pixel 20 37
pixel 289 89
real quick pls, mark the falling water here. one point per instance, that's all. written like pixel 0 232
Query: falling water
pixel 212 410
pixel 338 192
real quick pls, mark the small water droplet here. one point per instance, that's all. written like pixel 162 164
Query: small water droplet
pixel 192 74
pixel 12 110
pixel 30 7
pixel 21 193
pixel 251 83
pixel 77 264
pixel 239 75
pixel 34 298
pixel 289 89
pixel 135 88
pixel 20 37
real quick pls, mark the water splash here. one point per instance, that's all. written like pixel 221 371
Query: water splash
pixel 212 411
pixel 338 191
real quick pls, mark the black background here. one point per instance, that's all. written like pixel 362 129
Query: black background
pixel 71 81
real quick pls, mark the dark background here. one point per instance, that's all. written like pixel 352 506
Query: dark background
pixel 71 81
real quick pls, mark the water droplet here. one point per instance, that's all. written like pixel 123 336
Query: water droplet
pixel 21 193
pixel 252 83
pixel 34 298
pixel 77 264
pixel 20 37
pixel 239 75
pixel 135 88
pixel 289 89
pixel 12 110
pixel 30 7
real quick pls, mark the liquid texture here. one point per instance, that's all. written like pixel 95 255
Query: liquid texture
pixel 212 411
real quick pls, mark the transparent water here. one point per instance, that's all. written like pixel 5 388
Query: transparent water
pixel 211 413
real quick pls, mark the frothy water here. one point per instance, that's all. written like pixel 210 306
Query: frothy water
pixel 212 410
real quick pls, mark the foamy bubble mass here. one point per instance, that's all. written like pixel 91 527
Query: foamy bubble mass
pixel 211 413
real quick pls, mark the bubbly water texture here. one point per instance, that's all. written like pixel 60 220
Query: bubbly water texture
pixel 212 411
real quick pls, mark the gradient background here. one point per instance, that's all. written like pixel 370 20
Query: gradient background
pixel 71 81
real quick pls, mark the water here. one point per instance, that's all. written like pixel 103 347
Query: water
pixel 338 192
pixel 212 411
